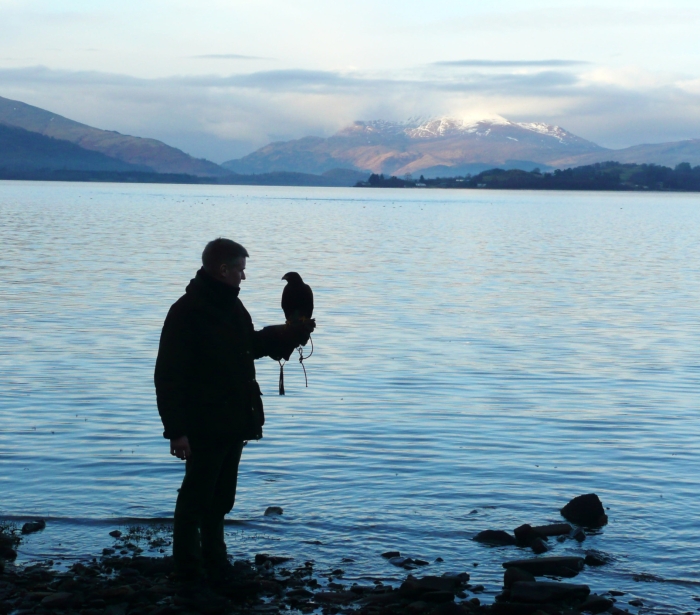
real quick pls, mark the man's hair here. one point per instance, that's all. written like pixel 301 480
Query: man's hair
pixel 221 251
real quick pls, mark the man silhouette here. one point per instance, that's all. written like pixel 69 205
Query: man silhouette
pixel 209 400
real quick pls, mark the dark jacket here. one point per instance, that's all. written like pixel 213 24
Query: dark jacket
pixel 205 374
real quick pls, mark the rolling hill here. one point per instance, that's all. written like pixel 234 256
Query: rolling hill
pixel 22 150
pixel 665 154
pixel 150 154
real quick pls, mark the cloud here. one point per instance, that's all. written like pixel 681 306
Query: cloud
pixel 510 63
pixel 549 82
pixel 280 80
pixel 334 82
pixel 227 56
pixel 39 75
pixel 302 81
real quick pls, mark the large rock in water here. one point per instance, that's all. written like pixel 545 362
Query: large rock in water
pixel 585 510
pixel 526 533
pixel 523 608
pixel 413 588
pixel 547 591
pixel 553 529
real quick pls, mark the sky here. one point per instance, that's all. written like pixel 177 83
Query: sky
pixel 220 78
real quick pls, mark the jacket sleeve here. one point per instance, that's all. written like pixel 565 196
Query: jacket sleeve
pixel 171 373
pixel 277 341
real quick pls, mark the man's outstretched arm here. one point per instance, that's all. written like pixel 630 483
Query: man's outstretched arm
pixel 279 341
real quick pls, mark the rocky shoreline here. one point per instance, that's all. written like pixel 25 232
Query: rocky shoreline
pixel 124 582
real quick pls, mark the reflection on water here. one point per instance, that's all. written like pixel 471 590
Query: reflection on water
pixel 481 358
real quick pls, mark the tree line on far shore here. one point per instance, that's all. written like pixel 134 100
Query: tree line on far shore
pixel 599 176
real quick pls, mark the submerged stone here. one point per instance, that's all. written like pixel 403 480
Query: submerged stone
pixel 438 596
pixel 336 597
pixel 264 558
pixel 459 577
pixel 33 526
pixel 597 558
pixel 59 600
pixel 539 546
pixel 596 604
pixel 495 537
pixel 300 592
pixel 7 553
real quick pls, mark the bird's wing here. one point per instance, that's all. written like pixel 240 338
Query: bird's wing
pixel 306 307
pixel 287 302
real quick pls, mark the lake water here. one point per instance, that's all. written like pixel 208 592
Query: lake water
pixel 481 358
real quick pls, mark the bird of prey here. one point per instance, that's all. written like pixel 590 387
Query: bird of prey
pixel 297 298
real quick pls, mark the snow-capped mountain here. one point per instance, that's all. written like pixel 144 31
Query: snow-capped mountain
pixel 443 145
pixel 441 127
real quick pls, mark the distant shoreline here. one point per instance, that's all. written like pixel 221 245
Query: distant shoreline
pixel 606 176
pixel 140 177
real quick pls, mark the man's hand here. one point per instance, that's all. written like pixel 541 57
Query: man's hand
pixel 285 338
pixel 180 448
pixel 301 331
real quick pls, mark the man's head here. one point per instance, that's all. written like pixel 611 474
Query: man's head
pixel 225 260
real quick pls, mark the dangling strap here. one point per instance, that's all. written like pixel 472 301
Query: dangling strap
pixel 281 377
pixel 302 358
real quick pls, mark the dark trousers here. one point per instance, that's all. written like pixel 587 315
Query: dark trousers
pixel 207 494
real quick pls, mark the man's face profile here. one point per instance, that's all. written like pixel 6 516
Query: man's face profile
pixel 233 273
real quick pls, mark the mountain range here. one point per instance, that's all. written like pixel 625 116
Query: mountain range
pixel 451 146
pixel 33 139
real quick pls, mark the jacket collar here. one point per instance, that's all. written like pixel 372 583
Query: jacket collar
pixel 212 289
